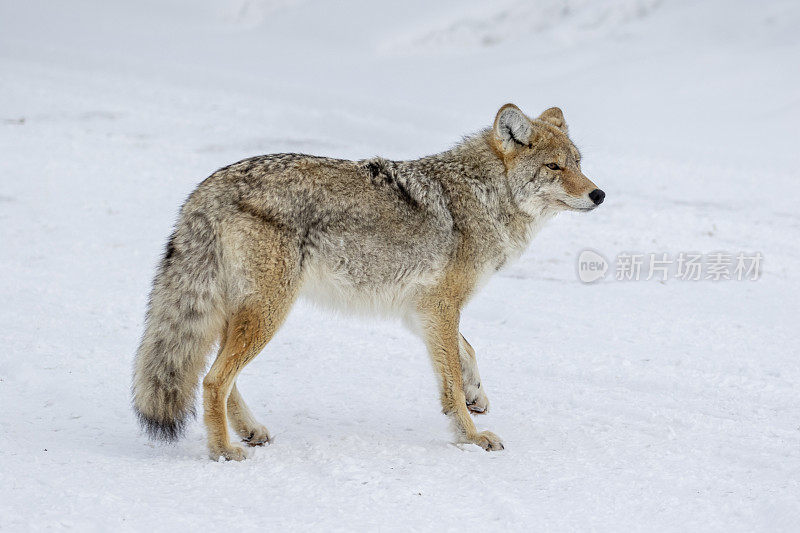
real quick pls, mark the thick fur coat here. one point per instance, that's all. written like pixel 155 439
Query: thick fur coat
pixel 413 239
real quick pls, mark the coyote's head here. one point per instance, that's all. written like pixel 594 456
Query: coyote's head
pixel 542 164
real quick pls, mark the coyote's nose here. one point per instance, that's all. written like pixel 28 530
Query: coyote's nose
pixel 597 196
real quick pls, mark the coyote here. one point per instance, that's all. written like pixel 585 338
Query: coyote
pixel 410 239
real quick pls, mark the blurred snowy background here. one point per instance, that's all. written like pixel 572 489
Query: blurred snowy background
pixel 623 405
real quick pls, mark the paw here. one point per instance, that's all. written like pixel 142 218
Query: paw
pixel 477 401
pixel 232 452
pixel 488 441
pixel 258 436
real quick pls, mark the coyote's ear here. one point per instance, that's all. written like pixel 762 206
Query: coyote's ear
pixel 555 117
pixel 512 128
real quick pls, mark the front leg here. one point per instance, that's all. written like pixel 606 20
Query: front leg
pixel 477 401
pixel 440 327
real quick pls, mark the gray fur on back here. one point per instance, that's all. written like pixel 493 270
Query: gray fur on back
pixel 376 225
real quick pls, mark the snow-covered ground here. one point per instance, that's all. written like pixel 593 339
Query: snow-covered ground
pixel 623 405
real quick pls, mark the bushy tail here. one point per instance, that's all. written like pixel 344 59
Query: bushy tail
pixel 183 321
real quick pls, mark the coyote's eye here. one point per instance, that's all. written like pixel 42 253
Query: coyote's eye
pixel 553 166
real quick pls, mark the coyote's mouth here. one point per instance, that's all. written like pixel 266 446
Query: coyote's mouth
pixel 573 208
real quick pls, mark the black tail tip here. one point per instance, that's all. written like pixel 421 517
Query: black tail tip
pixel 160 429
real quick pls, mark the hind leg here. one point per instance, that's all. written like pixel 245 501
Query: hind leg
pixel 240 416
pixel 271 272
pixel 246 337
pixel 244 423
pixel 249 331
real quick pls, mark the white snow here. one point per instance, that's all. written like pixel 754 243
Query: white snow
pixel 622 405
